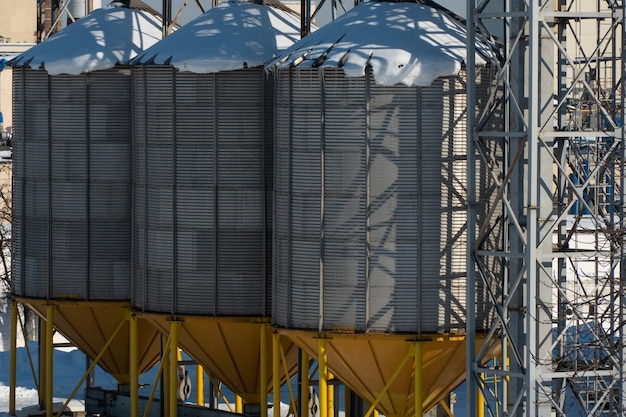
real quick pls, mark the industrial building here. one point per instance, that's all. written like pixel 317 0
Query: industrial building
pixel 407 199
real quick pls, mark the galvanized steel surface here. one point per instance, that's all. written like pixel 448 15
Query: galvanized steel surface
pixel 369 204
pixel 200 192
pixel 72 185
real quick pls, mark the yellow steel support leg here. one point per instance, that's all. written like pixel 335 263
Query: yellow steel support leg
pixel 331 396
pixel 134 366
pixel 323 375
pixel 165 358
pixel 200 385
pixel 480 403
pixel 276 373
pixel 238 404
pixel 305 364
pixel 418 381
pixel 173 387
pixel 263 371
pixel 49 358
pixel 13 358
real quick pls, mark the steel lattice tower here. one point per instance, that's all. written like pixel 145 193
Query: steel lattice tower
pixel 559 321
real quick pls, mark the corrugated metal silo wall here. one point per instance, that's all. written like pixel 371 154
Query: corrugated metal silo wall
pixel 200 184
pixel 370 204
pixel 30 183
pixel 72 185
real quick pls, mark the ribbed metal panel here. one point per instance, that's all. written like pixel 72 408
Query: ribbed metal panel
pixel 73 175
pixel 17 216
pixel 281 244
pixel 370 204
pixel 200 192
pixel 31 183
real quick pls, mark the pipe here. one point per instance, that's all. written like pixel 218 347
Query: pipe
pixel 263 370
pixel 276 373
pixel 323 382
pixel 49 358
pixel 173 398
pixel 13 358
pixel 200 385
pixel 134 366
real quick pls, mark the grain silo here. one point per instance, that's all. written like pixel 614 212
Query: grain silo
pixel 72 183
pixel 370 205
pixel 202 191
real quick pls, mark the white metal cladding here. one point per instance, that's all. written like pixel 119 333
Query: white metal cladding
pixel 200 192
pixel 72 176
pixel 369 203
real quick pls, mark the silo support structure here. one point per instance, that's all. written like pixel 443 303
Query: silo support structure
pixel 238 404
pixel 367 362
pixel 88 325
pixel 134 367
pixel 173 380
pixel 13 358
pixel 418 382
pixel 49 358
pixel 331 395
pixel 304 384
pixel 200 385
pixel 396 373
pixel 42 363
pixel 229 349
pixel 264 374
pixel 276 373
pixel 92 366
pixel 165 359
pixel 323 375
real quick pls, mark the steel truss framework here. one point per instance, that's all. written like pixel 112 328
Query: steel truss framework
pixel 559 302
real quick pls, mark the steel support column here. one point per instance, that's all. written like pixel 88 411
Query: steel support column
pixel 562 176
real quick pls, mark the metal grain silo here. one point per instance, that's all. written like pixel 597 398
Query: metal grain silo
pixel 202 187
pixel 370 204
pixel 72 183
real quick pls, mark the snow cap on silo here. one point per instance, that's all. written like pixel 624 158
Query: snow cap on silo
pixel 403 43
pixel 235 34
pixel 106 37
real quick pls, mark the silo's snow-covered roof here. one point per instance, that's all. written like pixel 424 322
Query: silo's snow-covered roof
pixel 107 36
pixel 403 42
pixel 232 35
